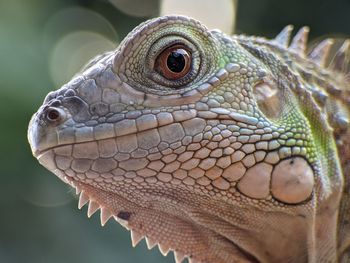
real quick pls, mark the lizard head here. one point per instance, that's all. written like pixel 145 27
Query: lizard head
pixel 180 134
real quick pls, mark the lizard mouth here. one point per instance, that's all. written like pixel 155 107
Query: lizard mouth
pixel 43 137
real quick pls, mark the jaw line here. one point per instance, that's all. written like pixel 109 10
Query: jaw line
pixel 131 216
pixel 87 197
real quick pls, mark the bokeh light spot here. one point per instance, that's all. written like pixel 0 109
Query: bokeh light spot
pixel 136 7
pixel 76 19
pixel 218 14
pixel 73 51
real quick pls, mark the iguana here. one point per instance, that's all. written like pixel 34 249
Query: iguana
pixel 219 148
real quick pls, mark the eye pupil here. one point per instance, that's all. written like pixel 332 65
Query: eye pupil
pixel 176 61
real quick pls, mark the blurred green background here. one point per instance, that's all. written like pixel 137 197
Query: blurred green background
pixel 42 44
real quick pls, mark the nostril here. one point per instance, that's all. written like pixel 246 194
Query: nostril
pixel 53 114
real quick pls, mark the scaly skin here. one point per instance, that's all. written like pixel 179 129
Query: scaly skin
pixel 236 161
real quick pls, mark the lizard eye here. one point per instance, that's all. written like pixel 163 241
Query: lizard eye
pixel 174 62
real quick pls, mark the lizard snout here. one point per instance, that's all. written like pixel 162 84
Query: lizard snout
pixel 42 130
